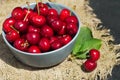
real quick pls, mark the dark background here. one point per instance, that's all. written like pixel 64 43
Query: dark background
pixel 108 11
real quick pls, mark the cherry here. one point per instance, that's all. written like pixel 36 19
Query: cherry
pixel 62 31
pixel 71 19
pixel 21 44
pixel 56 45
pixel 12 36
pixel 50 19
pixel 52 12
pixel 21 26
pixel 33 38
pixel 26 11
pixel 18 13
pixel 33 29
pixel 71 29
pixel 94 55
pixel 7 24
pixel 31 15
pixel 65 39
pixel 43 8
pixel 52 39
pixel 47 31
pixel 57 25
pixel 64 14
pixel 44 44
pixel 34 49
pixel 38 20
pixel 89 65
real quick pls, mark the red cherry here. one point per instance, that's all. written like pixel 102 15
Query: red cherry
pixel 33 38
pixel 64 14
pixel 38 20
pixel 26 11
pixel 94 55
pixel 46 31
pixel 18 13
pixel 65 39
pixel 89 65
pixel 57 25
pixel 43 8
pixel 33 29
pixel 71 29
pixel 21 44
pixel 31 15
pixel 53 39
pixel 7 24
pixel 56 45
pixel 52 12
pixel 44 44
pixel 12 36
pixel 34 49
pixel 71 19
pixel 62 31
pixel 50 19
pixel 21 26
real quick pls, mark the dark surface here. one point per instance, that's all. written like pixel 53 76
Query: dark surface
pixel 108 11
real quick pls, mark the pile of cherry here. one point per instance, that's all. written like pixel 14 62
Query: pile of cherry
pixel 41 29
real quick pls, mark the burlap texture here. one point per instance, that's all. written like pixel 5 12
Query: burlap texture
pixel 12 69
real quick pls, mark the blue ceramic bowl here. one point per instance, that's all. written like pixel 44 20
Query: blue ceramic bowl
pixel 50 58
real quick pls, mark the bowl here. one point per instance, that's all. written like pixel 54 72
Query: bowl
pixel 47 59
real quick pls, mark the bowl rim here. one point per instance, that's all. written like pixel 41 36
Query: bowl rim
pixel 49 52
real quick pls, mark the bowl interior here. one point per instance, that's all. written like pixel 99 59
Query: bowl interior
pixel 58 7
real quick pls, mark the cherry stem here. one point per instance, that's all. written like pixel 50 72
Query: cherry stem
pixel 14 29
pixel 38 7
pixel 27 11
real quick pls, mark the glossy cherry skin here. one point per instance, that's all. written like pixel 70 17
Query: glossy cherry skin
pixel 47 31
pixel 33 29
pixel 52 12
pixel 34 49
pixel 26 11
pixel 71 29
pixel 71 19
pixel 64 14
pixel 21 44
pixel 18 13
pixel 65 39
pixel 12 36
pixel 56 45
pixel 62 31
pixel 53 39
pixel 38 20
pixel 44 44
pixel 33 38
pixel 94 55
pixel 21 26
pixel 57 25
pixel 89 65
pixel 43 8
pixel 8 23
pixel 50 19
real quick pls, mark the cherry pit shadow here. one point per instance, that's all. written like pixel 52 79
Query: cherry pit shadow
pixel 7 56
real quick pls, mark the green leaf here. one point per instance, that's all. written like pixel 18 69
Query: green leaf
pixel 91 44
pixel 84 35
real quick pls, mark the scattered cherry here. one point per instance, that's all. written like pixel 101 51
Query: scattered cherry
pixel 89 65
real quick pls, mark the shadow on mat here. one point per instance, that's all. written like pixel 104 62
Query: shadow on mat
pixel 7 56
pixel 108 12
